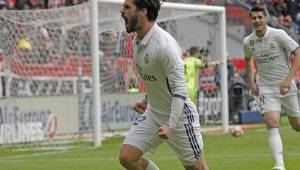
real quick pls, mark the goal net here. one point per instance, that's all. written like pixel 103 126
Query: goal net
pixel 46 69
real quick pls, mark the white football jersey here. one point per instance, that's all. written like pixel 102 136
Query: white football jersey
pixel 273 56
pixel 159 64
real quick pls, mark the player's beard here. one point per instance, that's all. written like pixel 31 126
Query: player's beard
pixel 133 24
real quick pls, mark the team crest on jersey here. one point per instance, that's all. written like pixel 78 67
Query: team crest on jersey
pixel 146 58
pixel 272 46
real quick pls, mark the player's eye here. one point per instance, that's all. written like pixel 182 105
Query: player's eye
pixel 125 8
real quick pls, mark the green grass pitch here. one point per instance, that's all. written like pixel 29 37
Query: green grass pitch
pixel 223 152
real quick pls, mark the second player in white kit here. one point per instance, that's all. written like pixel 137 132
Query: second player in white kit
pixel 275 84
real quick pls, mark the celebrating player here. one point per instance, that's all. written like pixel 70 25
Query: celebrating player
pixel 170 115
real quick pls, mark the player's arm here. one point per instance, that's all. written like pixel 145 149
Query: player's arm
pixel 173 68
pixel 291 45
pixel 250 70
pixel 214 63
pixel 285 85
pixel 201 65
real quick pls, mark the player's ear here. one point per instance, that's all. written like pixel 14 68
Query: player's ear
pixel 144 11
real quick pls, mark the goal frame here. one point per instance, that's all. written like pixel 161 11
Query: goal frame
pixel 220 11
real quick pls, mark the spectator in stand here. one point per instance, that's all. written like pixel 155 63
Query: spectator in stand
pixel 293 8
pixel 45 49
pixel 73 2
pixel 23 4
pixel 3 4
pixel 273 13
pixel 11 4
pixel 55 3
pixel 252 3
pixel 230 69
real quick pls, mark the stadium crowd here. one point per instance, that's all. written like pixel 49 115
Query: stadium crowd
pixel 36 4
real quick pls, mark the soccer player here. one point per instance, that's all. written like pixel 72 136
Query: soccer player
pixel 275 85
pixel 192 66
pixel 170 115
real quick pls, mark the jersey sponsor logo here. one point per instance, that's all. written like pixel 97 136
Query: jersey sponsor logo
pixel 146 58
pixel 145 76
pixel 264 55
pixel 267 60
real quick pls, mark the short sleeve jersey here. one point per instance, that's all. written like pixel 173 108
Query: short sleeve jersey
pixel 273 55
pixel 159 64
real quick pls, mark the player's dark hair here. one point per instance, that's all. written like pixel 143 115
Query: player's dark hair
pixel 258 9
pixel 152 6
pixel 193 50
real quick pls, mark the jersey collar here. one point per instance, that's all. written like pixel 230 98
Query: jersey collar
pixel 266 34
pixel 149 34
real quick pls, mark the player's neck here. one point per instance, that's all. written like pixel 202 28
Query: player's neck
pixel 144 30
pixel 261 33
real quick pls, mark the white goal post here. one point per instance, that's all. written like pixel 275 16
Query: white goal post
pixel 220 11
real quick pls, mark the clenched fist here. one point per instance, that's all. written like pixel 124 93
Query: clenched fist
pixel 164 132
pixel 140 106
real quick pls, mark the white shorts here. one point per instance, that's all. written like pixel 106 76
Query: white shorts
pixel 185 141
pixel 289 104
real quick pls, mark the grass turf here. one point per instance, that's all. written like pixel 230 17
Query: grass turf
pixel 223 152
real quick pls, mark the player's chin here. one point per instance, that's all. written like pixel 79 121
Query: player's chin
pixel 283 92
pixel 163 136
pixel 258 28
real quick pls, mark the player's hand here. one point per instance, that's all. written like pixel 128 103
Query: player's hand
pixel 164 132
pixel 284 87
pixel 219 62
pixel 140 106
pixel 254 89
pixel 215 63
